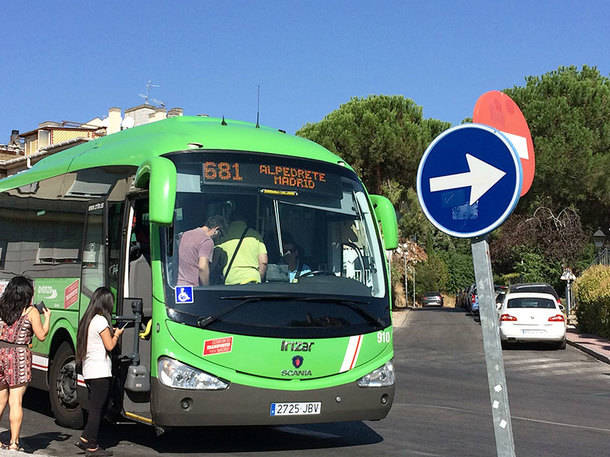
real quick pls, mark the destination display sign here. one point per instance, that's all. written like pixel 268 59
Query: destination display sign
pixel 289 174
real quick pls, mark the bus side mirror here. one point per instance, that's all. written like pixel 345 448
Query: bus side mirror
pixel 159 174
pixel 386 217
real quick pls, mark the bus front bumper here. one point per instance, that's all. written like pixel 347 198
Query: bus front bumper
pixel 245 405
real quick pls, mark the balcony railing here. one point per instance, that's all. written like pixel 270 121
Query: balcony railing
pixel 603 257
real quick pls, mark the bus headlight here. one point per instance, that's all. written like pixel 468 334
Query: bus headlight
pixel 381 377
pixel 173 373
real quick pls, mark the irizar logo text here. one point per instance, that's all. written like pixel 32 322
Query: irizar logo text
pixel 297 346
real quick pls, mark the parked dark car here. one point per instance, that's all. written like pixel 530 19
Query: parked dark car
pixel 536 287
pixel 432 298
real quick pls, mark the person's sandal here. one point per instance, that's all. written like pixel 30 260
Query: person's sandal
pixel 15 447
pixel 81 444
pixel 98 451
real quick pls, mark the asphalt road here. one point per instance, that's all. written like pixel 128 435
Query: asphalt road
pixel 560 403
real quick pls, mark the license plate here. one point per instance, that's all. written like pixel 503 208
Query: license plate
pixel 295 409
pixel 532 331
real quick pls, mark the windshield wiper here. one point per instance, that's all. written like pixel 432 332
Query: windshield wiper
pixel 204 321
pixel 351 304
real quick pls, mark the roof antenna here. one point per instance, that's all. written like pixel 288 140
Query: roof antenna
pixel 223 120
pixel 146 96
pixel 258 106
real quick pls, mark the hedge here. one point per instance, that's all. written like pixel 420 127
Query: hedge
pixel 592 294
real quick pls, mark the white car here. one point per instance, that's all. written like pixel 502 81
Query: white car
pixel 532 317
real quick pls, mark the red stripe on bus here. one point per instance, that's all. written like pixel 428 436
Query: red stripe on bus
pixel 355 352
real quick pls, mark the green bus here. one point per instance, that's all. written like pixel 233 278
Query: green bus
pixel 314 348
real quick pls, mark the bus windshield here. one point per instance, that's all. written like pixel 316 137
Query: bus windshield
pixel 309 222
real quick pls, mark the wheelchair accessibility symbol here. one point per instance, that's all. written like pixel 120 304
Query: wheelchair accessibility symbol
pixel 184 294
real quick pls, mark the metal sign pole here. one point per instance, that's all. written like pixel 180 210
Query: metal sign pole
pixel 414 286
pixel 498 393
pixel 406 285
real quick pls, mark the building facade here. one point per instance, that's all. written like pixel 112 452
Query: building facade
pixel 25 149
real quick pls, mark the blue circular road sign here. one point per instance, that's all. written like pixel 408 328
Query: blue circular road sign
pixel 469 180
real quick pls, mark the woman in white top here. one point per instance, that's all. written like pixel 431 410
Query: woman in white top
pixel 95 339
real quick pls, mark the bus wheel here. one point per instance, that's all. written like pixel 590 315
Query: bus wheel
pixel 62 388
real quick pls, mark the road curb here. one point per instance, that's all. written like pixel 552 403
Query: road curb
pixel 589 351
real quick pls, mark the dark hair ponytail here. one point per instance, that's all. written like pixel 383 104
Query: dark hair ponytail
pixel 102 302
pixel 16 297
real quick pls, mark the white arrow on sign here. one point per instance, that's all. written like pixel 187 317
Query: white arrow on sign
pixel 480 179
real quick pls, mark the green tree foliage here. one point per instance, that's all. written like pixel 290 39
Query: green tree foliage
pixel 568 112
pixel 459 268
pixel 432 275
pixel 532 266
pixel 383 137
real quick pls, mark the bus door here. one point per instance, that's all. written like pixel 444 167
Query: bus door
pixel 136 288
pixel 100 266
pixel 93 273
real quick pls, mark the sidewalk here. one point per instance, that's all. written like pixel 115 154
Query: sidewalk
pixel 593 345
pixel 399 317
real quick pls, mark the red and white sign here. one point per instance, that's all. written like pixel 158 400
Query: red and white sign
pixel 218 346
pixel 498 110
pixel 71 294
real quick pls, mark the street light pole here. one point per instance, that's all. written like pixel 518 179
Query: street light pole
pixel 406 284
pixel 414 286
pixel 599 239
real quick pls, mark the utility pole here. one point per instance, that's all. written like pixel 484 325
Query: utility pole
pixel 406 283
pixel 413 285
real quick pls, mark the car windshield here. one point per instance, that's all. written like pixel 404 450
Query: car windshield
pixel 529 302
pixel 310 222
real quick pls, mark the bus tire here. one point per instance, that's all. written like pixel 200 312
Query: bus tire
pixel 62 388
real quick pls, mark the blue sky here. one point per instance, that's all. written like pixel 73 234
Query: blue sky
pixel 68 60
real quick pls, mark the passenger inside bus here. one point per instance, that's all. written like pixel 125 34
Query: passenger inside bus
pixel 246 253
pixel 196 250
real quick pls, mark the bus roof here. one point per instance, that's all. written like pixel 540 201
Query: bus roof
pixel 133 146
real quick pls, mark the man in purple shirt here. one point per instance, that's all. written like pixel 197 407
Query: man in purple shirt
pixel 196 250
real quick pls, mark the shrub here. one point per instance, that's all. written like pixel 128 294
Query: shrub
pixel 460 269
pixel 431 275
pixel 592 294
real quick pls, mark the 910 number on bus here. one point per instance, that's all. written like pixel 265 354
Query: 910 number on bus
pixel 223 171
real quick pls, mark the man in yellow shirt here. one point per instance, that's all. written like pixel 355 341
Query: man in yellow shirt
pixel 250 261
